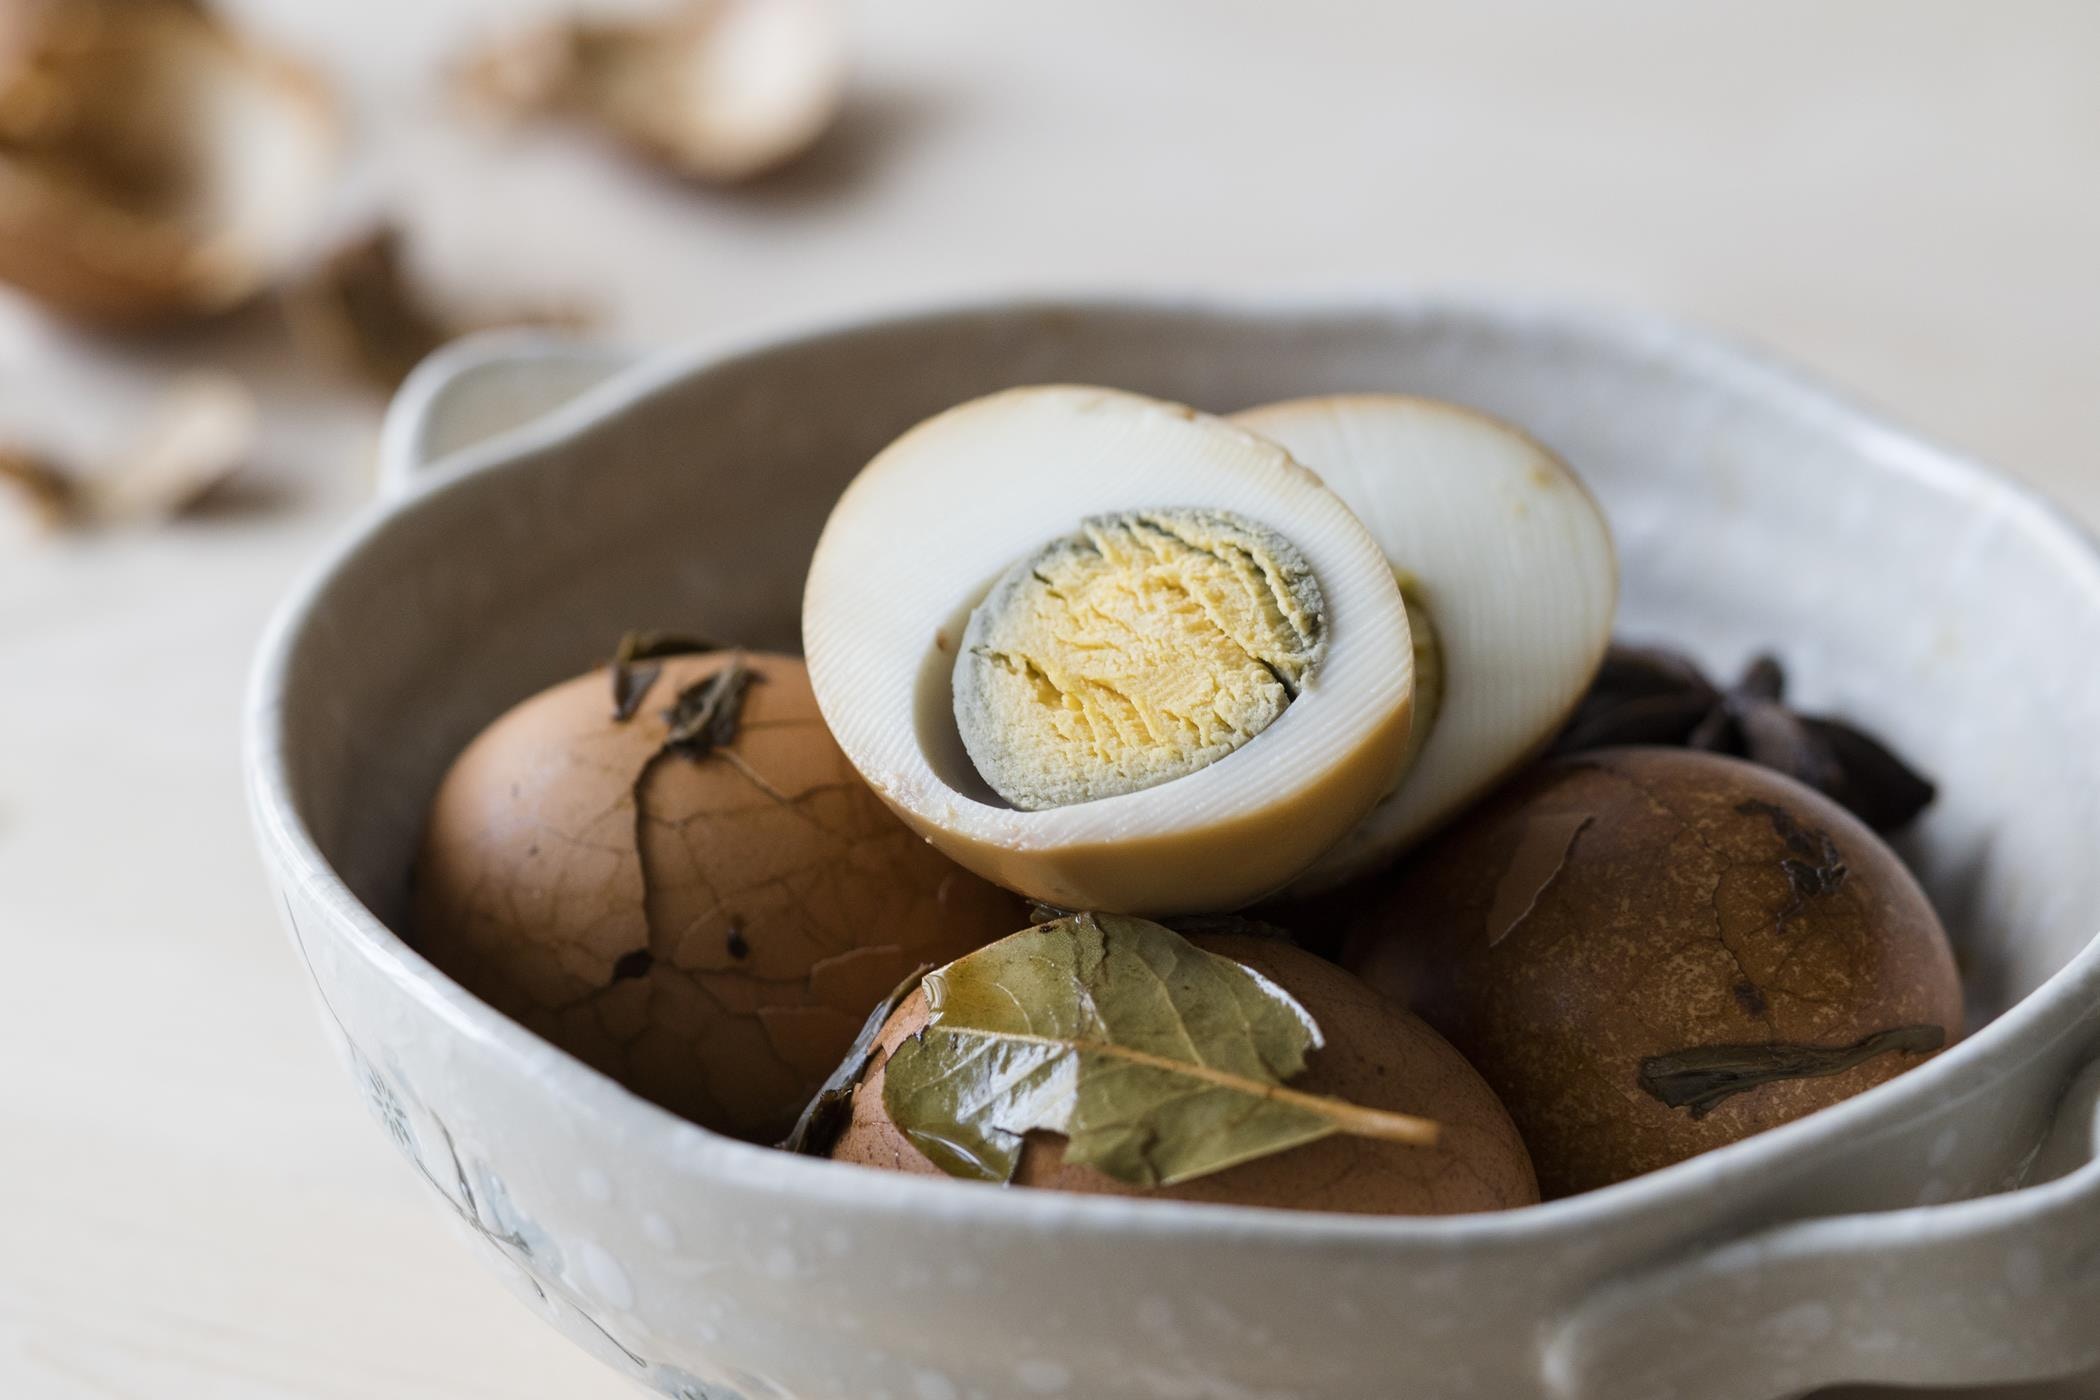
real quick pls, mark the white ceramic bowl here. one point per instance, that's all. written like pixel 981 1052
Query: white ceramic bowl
pixel 1908 588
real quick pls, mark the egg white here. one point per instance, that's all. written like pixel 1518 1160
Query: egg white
pixel 925 527
pixel 1515 566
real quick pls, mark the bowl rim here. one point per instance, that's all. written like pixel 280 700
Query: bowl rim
pixel 2039 1021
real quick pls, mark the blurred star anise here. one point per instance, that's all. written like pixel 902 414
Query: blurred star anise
pixel 1648 695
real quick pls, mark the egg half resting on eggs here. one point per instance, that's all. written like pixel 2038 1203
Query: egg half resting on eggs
pixel 1510 561
pixel 1110 652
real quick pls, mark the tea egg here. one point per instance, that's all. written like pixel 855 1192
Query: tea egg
pixel 1650 953
pixel 1110 652
pixel 1508 559
pixel 705 919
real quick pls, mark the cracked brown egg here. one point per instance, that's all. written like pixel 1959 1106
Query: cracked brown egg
pixel 1375 1055
pixel 1652 953
pixel 701 899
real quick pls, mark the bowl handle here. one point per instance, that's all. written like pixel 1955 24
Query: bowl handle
pixel 479 387
pixel 1989 1291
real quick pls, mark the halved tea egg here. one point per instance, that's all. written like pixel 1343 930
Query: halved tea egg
pixel 1507 556
pixel 1110 652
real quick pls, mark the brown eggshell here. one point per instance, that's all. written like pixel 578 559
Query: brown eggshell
pixel 1376 1055
pixel 1635 903
pixel 710 932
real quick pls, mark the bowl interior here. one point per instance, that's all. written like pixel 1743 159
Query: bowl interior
pixel 1905 590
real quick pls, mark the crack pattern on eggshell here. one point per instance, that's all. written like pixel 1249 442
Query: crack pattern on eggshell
pixel 775 896
pixel 1707 903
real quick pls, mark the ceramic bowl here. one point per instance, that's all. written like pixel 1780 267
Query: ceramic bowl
pixel 1904 1235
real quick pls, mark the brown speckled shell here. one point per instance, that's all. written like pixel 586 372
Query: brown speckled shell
pixel 1376 1055
pixel 1639 902
pixel 776 899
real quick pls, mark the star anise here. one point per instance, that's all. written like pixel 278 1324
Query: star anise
pixel 1648 695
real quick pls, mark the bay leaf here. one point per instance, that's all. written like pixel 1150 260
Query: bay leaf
pixel 1158 1061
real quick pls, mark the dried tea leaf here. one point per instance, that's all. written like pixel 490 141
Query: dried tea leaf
pixel 1814 866
pixel 359 311
pixel 49 496
pixel 828 1113
pixel 1702 1077
pixel 1653 696
pixel 704 717
pixel 632 677
pixel 1158 1061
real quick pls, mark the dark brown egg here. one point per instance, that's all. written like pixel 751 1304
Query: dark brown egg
pixel 1651 953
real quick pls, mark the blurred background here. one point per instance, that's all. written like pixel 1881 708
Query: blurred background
pixel 1903 196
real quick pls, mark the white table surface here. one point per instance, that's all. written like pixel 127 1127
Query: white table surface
pixel 1905 195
